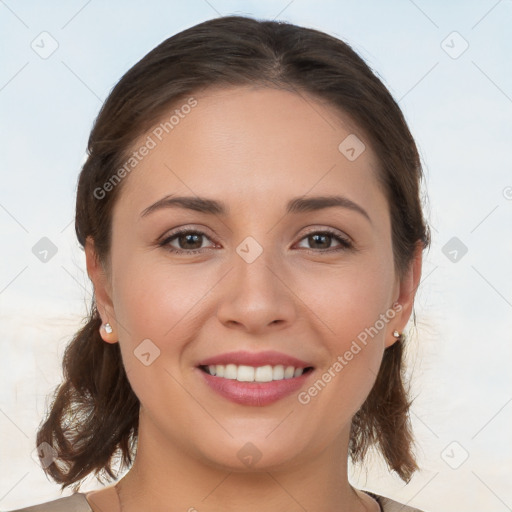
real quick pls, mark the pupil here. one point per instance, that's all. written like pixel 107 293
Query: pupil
pixel 316 237
pixel 186 237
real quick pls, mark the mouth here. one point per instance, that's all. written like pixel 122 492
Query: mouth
pixel 255 386
pixel 260 374
pixel 255 378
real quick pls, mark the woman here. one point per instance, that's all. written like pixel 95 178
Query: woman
pixel 252 226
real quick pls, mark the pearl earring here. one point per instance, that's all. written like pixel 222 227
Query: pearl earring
pixel 108 328
pixel 396 334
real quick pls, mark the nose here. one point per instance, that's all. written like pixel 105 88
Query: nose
pixel 257 296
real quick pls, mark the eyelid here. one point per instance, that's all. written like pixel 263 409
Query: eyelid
pixel 185 229
pixel 330 230
pixel 201 230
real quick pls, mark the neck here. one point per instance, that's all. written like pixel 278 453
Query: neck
pixel 165 477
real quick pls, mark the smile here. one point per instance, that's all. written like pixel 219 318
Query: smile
pixel 243 373
pixel 251 392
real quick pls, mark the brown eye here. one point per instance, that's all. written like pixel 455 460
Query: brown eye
pixel 190 241
pixel 322 241
pixel 186 241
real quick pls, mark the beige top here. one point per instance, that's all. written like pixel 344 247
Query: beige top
pixel 78 503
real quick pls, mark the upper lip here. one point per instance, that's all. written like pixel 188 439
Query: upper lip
pixel 268 357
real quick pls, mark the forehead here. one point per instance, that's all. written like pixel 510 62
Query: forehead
pixel 253 146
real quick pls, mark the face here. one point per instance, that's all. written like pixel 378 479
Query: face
pixel 257 273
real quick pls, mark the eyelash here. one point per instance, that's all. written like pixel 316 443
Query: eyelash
pixel 345 244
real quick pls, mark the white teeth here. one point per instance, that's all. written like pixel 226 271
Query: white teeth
pixel 230 371
pixel 244 373
pixel 289 371
pixel 263 374
pixel 278 372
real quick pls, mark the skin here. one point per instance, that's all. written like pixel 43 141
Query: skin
pixel 253 149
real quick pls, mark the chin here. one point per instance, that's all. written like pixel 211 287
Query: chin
pixel 253 456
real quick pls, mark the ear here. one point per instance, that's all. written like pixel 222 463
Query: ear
pixel 405 293
pixel 102 291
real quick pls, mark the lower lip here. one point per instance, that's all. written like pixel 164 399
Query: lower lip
pixel 254 393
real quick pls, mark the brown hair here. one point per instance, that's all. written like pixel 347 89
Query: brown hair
pixel 94 413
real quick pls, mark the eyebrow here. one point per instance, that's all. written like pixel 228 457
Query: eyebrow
pixel 295 205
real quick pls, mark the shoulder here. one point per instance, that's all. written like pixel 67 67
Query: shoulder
pixel 389 505
pixel 74 503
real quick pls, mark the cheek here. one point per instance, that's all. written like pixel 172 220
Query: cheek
pixel 161 302
pixel 355 351
pixel 350 300
pixel 155 306
pixel 353 306
pixel 152 299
